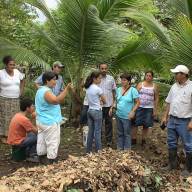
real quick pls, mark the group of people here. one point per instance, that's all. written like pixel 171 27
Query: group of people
pixel 131 106
pixel 134 107
pixel 41 141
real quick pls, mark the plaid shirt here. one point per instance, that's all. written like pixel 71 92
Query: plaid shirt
pixel 108 85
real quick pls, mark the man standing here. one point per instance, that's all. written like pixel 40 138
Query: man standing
pixel 177 117
pixel 57 68
pixel 108 87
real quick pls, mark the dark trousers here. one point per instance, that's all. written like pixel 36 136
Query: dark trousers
pixel 30 144
pixel 108 125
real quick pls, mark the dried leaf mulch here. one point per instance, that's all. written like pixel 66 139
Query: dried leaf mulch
pixel 107 171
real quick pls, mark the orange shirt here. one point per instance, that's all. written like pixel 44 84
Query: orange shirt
pixel 18 129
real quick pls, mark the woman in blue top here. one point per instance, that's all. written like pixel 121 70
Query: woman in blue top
pixel 127 101
pixel 48 117
pixel 95 99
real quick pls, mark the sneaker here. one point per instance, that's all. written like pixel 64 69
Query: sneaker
pixel 33 159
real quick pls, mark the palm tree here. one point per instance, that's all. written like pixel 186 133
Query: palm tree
pixel 81 33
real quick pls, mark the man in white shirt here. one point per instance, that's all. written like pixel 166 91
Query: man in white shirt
pixel 108 87
pixel 177 117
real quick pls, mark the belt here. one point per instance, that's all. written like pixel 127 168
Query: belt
pixel 175 117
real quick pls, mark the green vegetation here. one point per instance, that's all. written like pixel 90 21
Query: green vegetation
pixel 130 35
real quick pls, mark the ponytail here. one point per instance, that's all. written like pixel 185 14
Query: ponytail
pixel 90 79
pixel 88 82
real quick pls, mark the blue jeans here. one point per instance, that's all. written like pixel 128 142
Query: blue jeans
pixel 123 133
pixel 95 124
pixel 30 144
pixel 177 127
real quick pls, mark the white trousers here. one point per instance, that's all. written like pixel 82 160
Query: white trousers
pixel 48 140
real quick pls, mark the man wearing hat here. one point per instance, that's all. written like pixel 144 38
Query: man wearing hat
pixel 178 117
pixel 57 68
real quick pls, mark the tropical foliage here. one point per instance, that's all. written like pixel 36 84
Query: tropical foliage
pixel 128 34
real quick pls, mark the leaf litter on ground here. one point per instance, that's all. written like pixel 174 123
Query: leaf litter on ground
pixel 106 171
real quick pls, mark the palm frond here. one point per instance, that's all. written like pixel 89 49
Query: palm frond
pixel 151 24
pixel 86 38
pixel 183 6
pixel 42 6
pixel 139 54
pixel 109 10
pixel 180 50
pixel 20 54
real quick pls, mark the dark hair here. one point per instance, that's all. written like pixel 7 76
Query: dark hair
pixel 126 76
pixel 102 64
pixel 47 76
pixel 90 78
pixel 7 59
pixel 151 72
pixel 24 103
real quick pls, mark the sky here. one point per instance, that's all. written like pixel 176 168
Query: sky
pixel 52 4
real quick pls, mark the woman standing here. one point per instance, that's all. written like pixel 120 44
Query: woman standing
pixel 48 117
pixel 95 99
pixel 11 88
pixel 127 101
pixel 149 98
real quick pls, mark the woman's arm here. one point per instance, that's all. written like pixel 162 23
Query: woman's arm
pixel 131 115
pixel 103 99
pixel 51 98
pixel 22 84
pixel 139 86
pixel 136 106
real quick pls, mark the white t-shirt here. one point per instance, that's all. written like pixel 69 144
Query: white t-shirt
pixel 93 94
pixel 10 85
pixel 180 100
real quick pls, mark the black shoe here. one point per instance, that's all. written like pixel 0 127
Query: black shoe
pixel 33 159
pixel 52 161
pixel 43 159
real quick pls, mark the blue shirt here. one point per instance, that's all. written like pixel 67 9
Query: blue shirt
pixel 93 94
pixel 47 113
pixel 58 87
pixel 125 103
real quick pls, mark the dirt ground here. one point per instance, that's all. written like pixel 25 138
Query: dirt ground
pixel 155 152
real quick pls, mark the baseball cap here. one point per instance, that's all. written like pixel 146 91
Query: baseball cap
pixel 180 68
pixel 58 63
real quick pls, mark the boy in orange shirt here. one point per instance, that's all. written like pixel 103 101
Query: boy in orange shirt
pixel 22 133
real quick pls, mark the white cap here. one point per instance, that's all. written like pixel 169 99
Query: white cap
pixel 58 63
pixel 180 68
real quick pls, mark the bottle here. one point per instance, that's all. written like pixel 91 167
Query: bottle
pixel 85 134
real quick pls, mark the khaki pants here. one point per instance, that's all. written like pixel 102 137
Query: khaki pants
pixel 48 140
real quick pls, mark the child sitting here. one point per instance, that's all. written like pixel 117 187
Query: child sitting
pixel 22 133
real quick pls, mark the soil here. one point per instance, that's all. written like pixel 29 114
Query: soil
pixel 155 152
